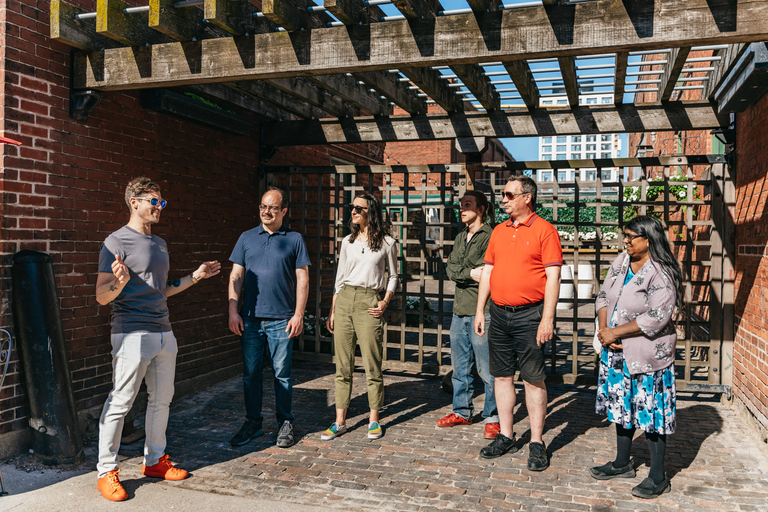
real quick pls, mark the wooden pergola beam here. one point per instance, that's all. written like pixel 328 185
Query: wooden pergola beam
pixel 473 79
pixel 570 82
pixel 304 90
pixel 588 119
pixel 417 9
pixel 81 34
pixel 346 87
pixel 179 24
pixel 526 33
pixel 480 6
pixel 672 72
pixel 128 29
pixel 263 91
pixel 520 73
pixel 353 12
pixel 233 16
pixel 293 14
pixel 233 96
pixel 387 85
pixel 620 80
pixel 728 58
pixel 429 81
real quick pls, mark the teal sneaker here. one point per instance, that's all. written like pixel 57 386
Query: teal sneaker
pixel 374 430
pixel 333 431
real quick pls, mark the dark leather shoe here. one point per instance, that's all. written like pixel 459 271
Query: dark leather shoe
pixel 648 489
pixel 538 460
pixel 248 431
pixel 501 445
pixel 607 471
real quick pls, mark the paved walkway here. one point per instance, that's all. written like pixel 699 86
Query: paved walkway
pixel 715 462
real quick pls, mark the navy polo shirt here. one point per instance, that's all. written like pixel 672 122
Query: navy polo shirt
pixel 270 261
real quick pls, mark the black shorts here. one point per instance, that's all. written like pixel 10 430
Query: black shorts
pixel 512 343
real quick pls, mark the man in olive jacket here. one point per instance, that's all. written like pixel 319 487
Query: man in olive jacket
pixel 464 267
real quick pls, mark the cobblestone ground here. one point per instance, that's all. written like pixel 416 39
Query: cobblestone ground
pixel 715 462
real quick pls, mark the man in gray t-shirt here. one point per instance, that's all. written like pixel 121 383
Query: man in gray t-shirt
pixel 133 277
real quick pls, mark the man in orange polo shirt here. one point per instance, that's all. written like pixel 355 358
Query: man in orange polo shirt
pixel 522 277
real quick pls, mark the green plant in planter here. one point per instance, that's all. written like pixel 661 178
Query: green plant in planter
pixel 654 192
pixel 412 306
pixel 309 325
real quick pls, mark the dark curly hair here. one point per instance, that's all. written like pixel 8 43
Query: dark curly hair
pixel 378 225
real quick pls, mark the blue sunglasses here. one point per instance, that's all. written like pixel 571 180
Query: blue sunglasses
pixel 154 201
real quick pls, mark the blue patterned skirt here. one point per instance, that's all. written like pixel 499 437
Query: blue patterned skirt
pixel 644 401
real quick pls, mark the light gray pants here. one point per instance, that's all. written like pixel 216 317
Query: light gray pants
pixel 135 356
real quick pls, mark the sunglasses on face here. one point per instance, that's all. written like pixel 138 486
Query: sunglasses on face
pixel 271 209
pixel 153 201
pixel 631 238
pixel 357 209
pixel 511 196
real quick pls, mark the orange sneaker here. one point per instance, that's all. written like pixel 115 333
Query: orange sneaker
pixel 110 487
pixel 164 469
pixel 452 420
pixel 491 430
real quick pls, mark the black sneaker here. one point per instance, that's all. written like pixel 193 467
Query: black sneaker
pixel 607 471
pixel 499 446
pixel 285 435
pixel 248 431
pixel 648 489
pixel 538 460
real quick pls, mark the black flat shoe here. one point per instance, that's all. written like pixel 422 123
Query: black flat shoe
pixel 649 490
pixel 607 471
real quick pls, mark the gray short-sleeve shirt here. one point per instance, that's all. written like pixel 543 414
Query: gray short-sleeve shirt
pixel 141 305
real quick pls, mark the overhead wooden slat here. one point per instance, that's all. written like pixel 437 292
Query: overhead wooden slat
pixel 315 95
pixel 353 12
pixel 232 96
pixel 672 72
pixel 479 6
pixel 79 34
pixel 128 29
pixel 346 87
pixel 598 27
pixel 435 87
pixel 570 82
pixel 180 24
pixel 520 73
pixel 620 80
pixel 418 9
pixel 728 58
pixel 269 94
pixel 474 79
pixel 233 16
pixel 387 85
pixel 293 14
pixel 588 119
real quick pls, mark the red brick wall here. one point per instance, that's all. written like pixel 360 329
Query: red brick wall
pixel 62 193
pixel 750 354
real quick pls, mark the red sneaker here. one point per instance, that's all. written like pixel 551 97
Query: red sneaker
pixel 491 430
pixel 110 487
pixel 452 420
pixel 164 469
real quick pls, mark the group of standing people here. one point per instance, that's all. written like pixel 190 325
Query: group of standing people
pixel 516 265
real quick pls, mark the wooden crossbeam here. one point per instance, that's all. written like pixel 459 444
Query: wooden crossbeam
pixel 418 9
pixel 620 80
pixel 346 87
pixel 479 6
pixel 233 16
pixel 128 29
pixel 474 79
pixel 571 83
pixel 262 91
pixel 179 24
pixel 429 81
pixel 520 73
pixel 728 58
pixel 387 85
pixel 353 12
pixel 672 72
pixel 526 33
pixel 81 34
pixel 230 95
pixel 588 119
pixel 293 14
pixel 304 90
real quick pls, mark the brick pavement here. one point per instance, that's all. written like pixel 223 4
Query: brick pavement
pixel 716 463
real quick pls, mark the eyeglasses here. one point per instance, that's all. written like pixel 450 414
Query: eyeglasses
pixel 153 201
pixel 357 209
pixel 271 209
pixel 631 238
pixel 511 196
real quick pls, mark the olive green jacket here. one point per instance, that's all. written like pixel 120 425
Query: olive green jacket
pixel 465 257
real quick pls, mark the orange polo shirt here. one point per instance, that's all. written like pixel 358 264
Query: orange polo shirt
pixel 519 254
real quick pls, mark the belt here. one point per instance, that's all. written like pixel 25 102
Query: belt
pixel 513 309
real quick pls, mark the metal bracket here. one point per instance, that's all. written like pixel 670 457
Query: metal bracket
pixel 81 103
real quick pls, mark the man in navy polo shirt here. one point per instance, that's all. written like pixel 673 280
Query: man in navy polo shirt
pixel 270 272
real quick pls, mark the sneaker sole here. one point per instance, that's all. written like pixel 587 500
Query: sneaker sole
pixel 285 443
pixel 257 434
pixel 324 437
pixel 375 436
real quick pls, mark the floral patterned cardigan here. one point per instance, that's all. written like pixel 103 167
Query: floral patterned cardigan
pixel 649 298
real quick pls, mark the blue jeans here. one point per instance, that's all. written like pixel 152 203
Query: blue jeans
pixel 259 334
pixel 467 348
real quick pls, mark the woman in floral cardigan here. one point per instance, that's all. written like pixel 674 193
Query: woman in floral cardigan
pixel 641 294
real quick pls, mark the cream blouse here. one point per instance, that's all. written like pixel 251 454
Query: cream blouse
pixel 360 266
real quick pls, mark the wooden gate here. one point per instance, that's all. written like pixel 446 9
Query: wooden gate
pixel 587 200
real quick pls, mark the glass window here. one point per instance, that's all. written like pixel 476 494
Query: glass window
pixel 605 155
pixel 561 148
pixel 575 156
pixel 591 138
pixel 561 156
pixel 547 140
pixel 590 156
pixel 605 175
pixel 591 147
pixel 605 147
pixel 562 175
pixel 606 101
pixel 562 102
pixel 545 175
pixel 591 101
pixel 546 149
pixel 547 157
pixel 576 138
pixel 591 175
pixel 605 138
pixel 562 139
pixel 575 147
pixel 546 102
